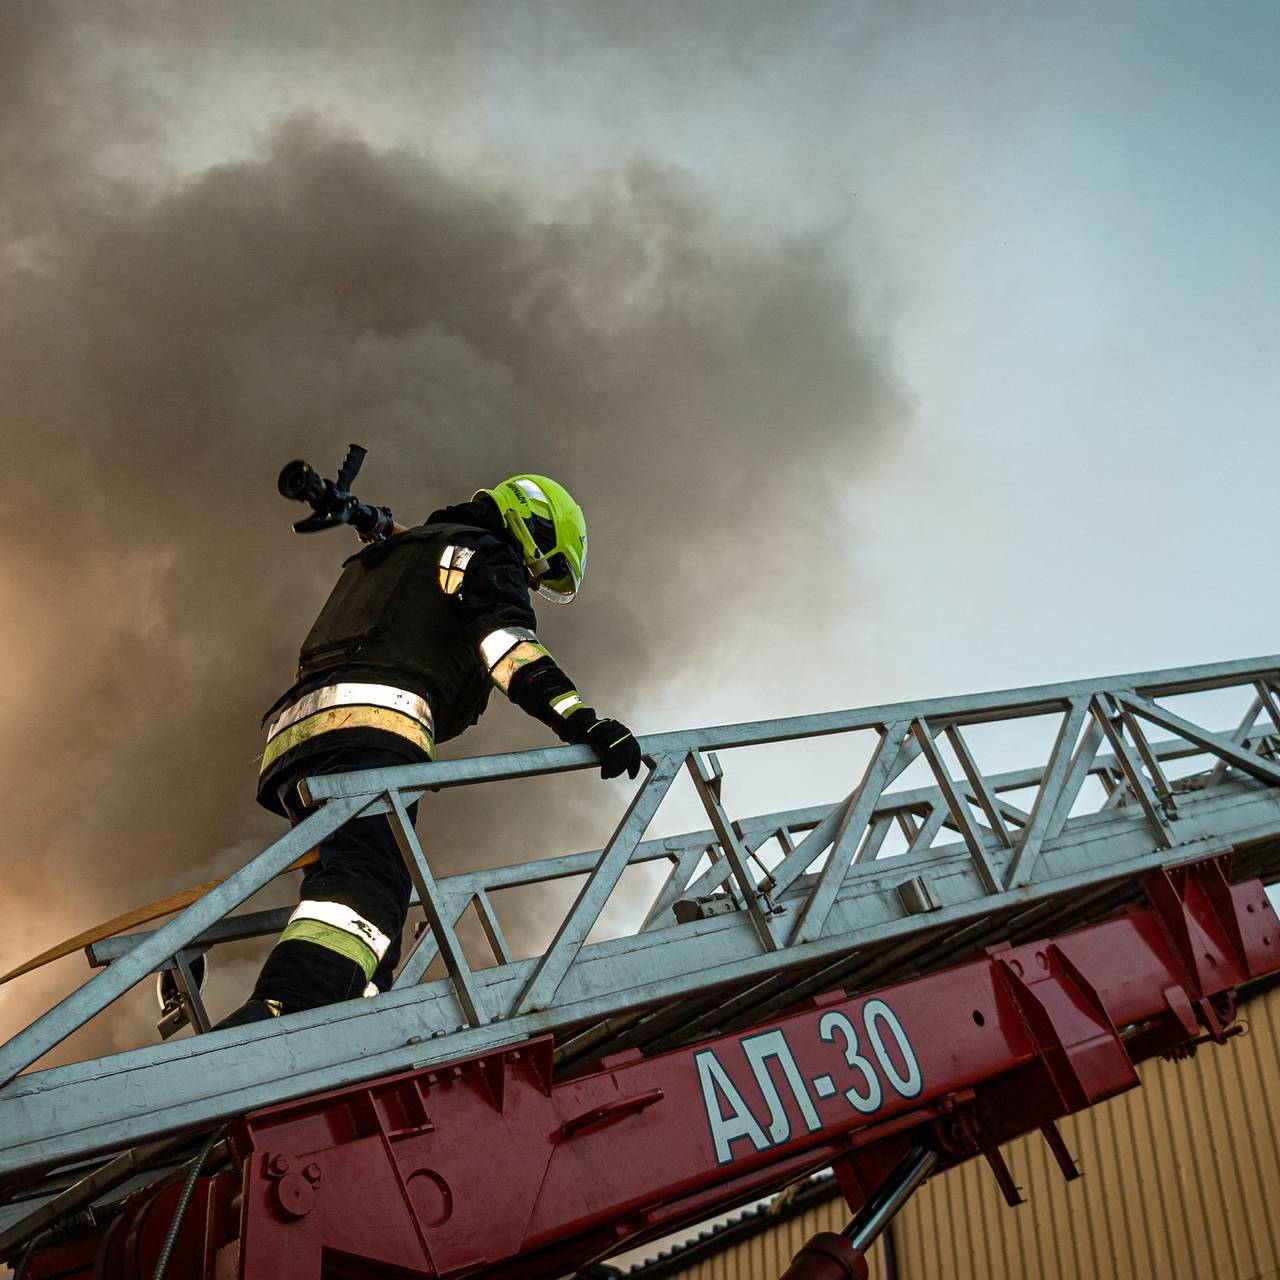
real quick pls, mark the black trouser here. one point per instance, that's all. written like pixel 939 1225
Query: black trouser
pixel 360 867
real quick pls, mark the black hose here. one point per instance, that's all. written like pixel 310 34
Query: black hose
pixel 183 1200
pixel 21 1269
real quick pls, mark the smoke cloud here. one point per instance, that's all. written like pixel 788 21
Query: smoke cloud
pixel 700 385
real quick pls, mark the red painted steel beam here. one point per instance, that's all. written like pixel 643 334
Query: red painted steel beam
pixel 490 1167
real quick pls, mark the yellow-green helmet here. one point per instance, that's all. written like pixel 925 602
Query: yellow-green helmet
pixel 551 530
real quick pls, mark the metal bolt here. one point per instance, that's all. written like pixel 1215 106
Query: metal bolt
pixel 312 1172
pixel 414 1040
pixel 280 1165
pixel 293 1197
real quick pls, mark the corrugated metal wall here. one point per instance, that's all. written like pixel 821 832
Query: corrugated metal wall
pixel 1181 1178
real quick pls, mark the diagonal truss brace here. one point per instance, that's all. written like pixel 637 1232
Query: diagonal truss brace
pixel 1050 795
pixel 812 917
pixel 438 915
pixel 59 1022
pixel 959 807
pixel 735 852
pixel 1233 752
pixel 550 970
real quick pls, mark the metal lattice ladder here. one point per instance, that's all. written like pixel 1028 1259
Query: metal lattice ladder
pixel 756 913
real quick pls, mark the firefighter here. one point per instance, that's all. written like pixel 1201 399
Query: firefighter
pixel 415 635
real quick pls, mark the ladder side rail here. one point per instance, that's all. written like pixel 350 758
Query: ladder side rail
pixel 1008 704
pixel 252 924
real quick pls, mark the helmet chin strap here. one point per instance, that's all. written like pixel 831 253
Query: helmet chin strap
pixel 536 567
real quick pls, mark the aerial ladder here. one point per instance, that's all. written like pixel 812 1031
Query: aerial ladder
pixel 947 957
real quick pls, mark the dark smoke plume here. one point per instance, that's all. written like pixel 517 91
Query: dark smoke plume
pixel 703 390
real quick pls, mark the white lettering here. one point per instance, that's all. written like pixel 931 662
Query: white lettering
pixel 773 1044
pixel 875 1012
pixel 834 1022
pixel 738 1122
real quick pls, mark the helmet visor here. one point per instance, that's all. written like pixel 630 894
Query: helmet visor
pixel 542 531
pixel 558 583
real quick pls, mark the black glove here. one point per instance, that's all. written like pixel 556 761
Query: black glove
pixel 616 746
pixel 536 689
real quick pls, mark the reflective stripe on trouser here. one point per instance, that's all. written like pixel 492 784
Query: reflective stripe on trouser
pixel 332 925
pixel 360 868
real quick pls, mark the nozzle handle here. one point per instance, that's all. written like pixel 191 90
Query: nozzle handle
pixel 350 468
